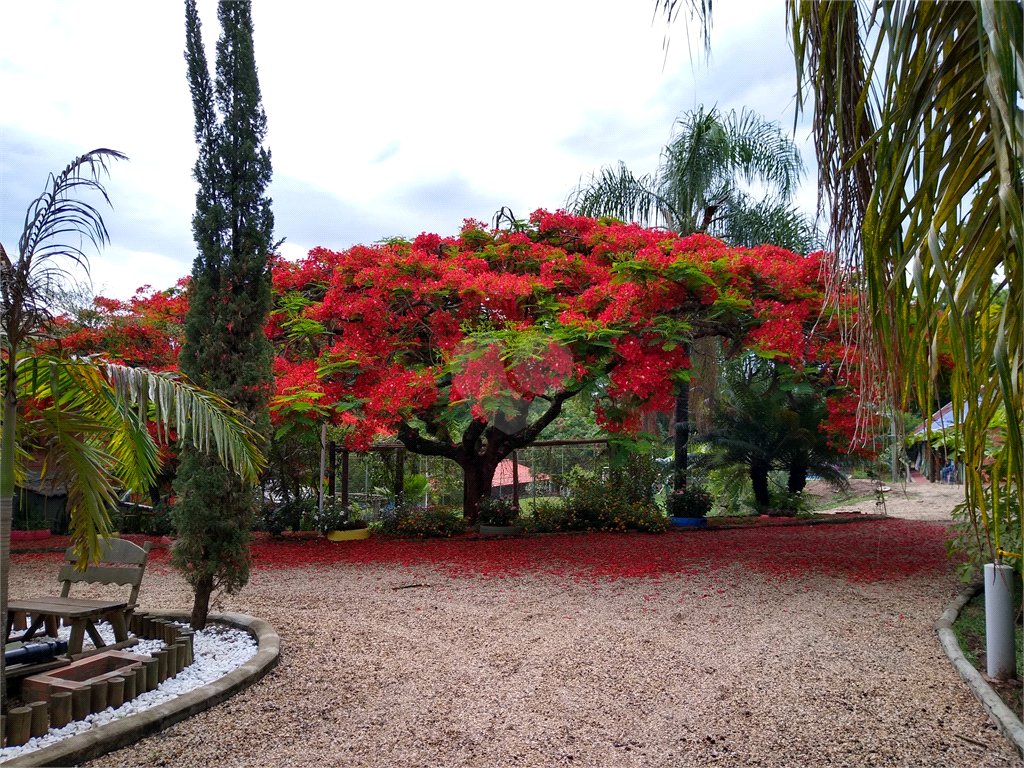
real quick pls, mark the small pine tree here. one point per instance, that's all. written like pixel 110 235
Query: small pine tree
pixel 225 349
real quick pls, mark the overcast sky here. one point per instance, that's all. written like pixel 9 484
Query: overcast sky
pixel 384 119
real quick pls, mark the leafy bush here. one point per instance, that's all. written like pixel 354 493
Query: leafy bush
pixel 275 520
pixel 786 504
pixel 420 522
pixel 692 501
pixel 624 501
pixel 549 517
pixel 498 511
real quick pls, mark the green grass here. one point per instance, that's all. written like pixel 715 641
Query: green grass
pixel 528 503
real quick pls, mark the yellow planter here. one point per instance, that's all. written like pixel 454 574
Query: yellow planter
pixel 357 533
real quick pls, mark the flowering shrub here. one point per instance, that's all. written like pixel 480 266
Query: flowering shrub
pixel 420 523
pixel 335 517
pixel 548 517
pixel 597 512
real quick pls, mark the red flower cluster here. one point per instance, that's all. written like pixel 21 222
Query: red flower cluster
pixel 377 336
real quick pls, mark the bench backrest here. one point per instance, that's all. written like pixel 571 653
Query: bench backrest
pixel 121 562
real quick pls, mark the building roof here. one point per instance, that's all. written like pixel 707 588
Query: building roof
pixel 503 474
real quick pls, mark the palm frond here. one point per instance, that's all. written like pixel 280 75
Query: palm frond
pixel 617 192
pixel 920 140
pixel 52 218
pixel 169 401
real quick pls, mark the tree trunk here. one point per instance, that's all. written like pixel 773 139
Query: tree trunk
pixel 759 479
pixel 477 475
pixel 797 478
pixel 201 605
pixel 682 436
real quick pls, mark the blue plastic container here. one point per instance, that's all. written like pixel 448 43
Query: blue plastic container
pixel 689 522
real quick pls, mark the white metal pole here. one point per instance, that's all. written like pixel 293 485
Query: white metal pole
pixel 999 621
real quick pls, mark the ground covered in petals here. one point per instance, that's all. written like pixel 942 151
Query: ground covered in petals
pixel 778 646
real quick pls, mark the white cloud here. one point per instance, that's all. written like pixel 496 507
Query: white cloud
pixel 384 119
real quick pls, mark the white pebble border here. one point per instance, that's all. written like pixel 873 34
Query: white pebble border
pixel 218 650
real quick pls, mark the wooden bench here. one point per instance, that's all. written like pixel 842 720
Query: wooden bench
pixel 121 563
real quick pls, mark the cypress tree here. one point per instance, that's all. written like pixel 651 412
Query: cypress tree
pixel 225 349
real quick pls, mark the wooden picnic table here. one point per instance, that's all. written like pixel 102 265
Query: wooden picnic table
pixel 82 614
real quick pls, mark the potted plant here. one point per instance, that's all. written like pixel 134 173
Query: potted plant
pixel 688 507
pixel 499 517
pixel 340 523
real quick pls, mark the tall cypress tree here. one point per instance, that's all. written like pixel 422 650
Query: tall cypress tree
pixel 225 349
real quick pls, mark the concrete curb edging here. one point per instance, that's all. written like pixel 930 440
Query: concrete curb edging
pixel 128 730
pixel 1005 719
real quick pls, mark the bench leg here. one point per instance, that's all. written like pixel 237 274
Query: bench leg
pixel 120 625
pixel 19 620
pixel 37 622
pixel 51 626
pixel 96 638
pixel 77 636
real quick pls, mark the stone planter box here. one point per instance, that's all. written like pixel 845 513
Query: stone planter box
pixel 353 535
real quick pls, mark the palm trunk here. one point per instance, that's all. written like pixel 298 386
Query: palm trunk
pixel 759 479
pixel 7 447
pixel 797 478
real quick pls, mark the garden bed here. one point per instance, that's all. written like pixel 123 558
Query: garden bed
pixel 969 629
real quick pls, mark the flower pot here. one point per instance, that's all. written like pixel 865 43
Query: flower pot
pixel 689 522
pixel 499 530
pixel 356 533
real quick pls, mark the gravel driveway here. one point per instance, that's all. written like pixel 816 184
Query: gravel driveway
pixel 724 665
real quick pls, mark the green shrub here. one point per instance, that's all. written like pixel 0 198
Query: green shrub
pixel 160 523
pixel 624 501
pixel 276 519
pixel 692 501
pixel 549 517
pixel 497 511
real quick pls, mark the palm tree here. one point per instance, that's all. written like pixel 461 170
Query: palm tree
pixel 89 422
pixel 920 140
pixel 697 189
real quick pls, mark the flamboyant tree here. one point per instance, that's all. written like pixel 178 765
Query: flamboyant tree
pixel 467 347
pixel 229 296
